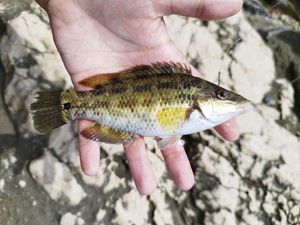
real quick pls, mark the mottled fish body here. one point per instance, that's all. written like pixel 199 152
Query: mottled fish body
pixel 157 100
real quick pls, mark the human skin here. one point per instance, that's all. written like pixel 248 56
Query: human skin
pixel 97 36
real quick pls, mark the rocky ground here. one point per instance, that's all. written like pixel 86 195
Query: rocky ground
pixel 253 181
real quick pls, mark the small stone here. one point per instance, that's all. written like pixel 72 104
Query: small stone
pixel 22 183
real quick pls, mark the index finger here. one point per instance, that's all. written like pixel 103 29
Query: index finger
pixel 140 166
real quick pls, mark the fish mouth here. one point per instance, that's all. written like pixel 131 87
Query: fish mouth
pixel 245 107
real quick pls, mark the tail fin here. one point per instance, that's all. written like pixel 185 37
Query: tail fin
pixel 47 111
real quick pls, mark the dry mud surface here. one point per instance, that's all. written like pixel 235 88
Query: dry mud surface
pixel 253 181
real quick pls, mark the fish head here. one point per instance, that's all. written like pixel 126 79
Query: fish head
pixel 218 104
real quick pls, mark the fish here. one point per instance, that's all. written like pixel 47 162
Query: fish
pixel 161 100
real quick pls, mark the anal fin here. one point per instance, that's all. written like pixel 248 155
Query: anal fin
pixel 101 133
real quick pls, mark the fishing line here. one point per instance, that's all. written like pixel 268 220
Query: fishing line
pixel 226 53
pixel 241 38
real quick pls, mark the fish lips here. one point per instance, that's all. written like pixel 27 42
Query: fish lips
pixel 218 112
pixel 245 107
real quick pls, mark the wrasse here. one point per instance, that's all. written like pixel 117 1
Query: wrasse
pixel 160 100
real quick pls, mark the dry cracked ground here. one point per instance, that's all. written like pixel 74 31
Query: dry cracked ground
pixel 253 181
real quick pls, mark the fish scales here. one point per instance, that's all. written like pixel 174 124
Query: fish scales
pixel 137 104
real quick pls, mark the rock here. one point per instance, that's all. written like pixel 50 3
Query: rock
pixel 287 55
pixel 21 41
pixel 204 55
pixel 129 203
pixel 12 8
pixel 251 57
pixel 57 180
pixel 64 142
pixel 244 71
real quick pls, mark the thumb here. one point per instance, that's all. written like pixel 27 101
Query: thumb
pixel 202 9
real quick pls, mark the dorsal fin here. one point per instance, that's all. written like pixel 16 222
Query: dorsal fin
pixel 140 70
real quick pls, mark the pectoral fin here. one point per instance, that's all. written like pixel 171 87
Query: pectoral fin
pixel 101 133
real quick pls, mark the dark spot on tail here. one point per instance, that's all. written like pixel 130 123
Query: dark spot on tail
pixel 67 106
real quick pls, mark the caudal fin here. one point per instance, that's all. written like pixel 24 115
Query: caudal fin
pixel 47 111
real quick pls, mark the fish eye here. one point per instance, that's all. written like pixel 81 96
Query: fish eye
pixel 222 95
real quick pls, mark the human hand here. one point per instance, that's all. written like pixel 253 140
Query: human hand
pixel 99 36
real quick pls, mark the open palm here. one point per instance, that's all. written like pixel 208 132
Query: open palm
pixel 98 36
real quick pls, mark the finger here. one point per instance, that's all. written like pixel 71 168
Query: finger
pixel 140 167
pixel 203 9
pixel 89 151
pixel 228 130
pixel 179 166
